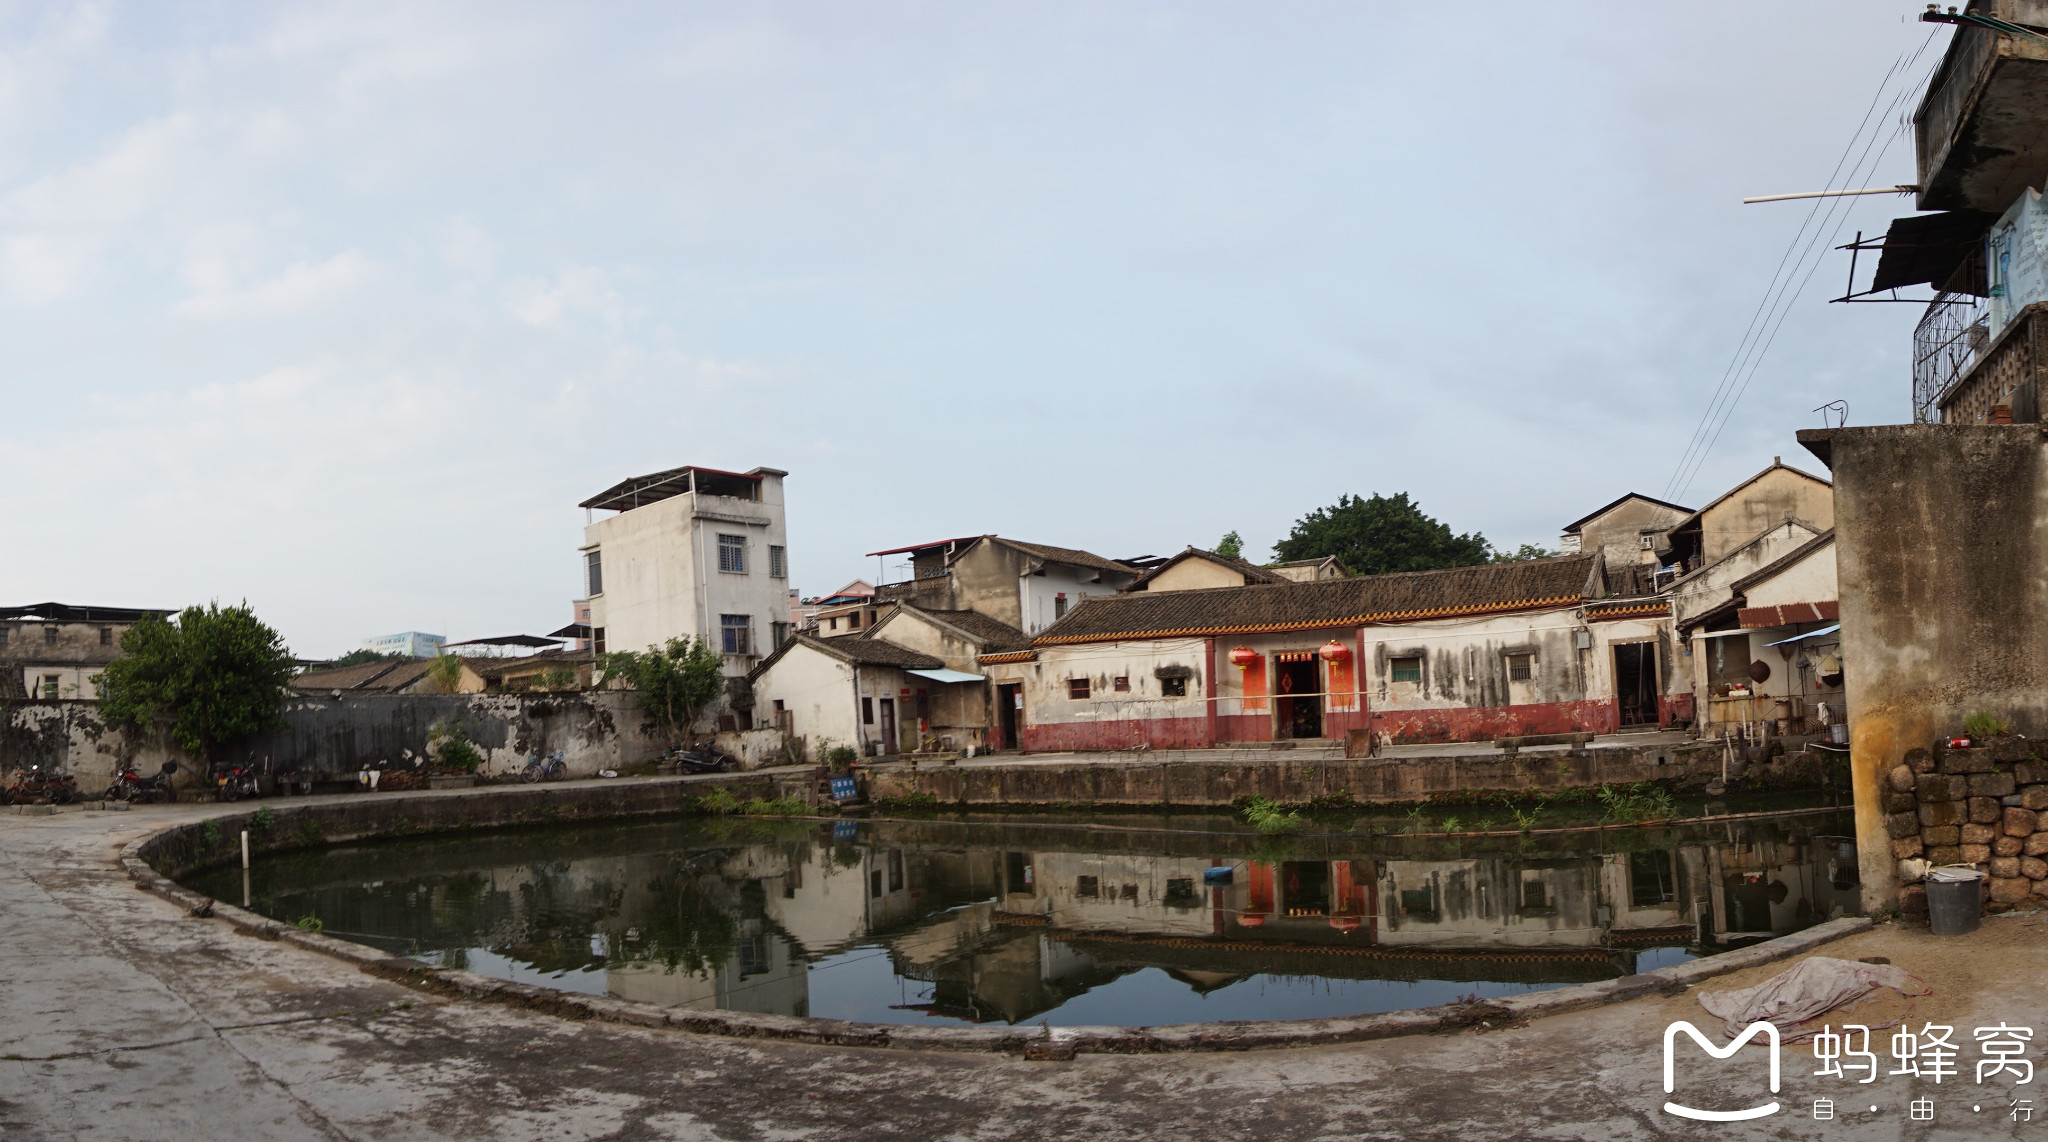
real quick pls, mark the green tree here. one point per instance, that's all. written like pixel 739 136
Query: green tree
pixel 211 677
pixel 1379 535
pixel 1231 546
pixel 1526 551
pixel 675 681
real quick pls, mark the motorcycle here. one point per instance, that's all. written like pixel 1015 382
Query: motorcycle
pixel 129 785
pixel 549 770
pixel 700 759
pixel 235 781
pixel 34 787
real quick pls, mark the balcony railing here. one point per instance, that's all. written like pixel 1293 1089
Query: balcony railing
pixel 1946 344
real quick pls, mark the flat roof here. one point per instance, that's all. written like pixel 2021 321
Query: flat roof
pixel 638 491
pixel 923 546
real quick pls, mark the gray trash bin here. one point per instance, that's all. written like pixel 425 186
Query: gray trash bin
pixel 1955 900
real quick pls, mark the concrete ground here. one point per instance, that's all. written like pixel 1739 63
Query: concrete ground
pixel 121 1017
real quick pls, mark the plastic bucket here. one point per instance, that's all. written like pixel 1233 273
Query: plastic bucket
pixel 1955 901
pixel 1839 733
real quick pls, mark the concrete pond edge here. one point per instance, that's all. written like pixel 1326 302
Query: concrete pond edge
pixel 1054 1043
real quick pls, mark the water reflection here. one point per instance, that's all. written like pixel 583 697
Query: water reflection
pixel 992 921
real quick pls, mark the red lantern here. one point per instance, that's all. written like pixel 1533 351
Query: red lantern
pixel 1251 921
pixel 1345 923
pixel 1243 656
pixel 1333 651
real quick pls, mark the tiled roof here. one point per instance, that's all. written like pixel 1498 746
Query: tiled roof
pixel 1251 571
pixel 1789 614
pixel 1485 588
pixel 1628 609
pixel 994 635
pixel 1073 556
pixel 860 650
pixel 365 678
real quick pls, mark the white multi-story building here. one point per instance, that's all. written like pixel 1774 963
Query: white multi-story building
pixel 412 644
pixel 692 552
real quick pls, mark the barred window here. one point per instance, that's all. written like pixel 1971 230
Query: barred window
pixel 1077 688
pixel 1407 669
pixel 737 629
pixel 778 562
pixel 1518 668
pixel 593 566
pixel 732 554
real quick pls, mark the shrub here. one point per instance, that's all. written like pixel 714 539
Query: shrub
pixel 1270 817
pixel 842 755
pixel 1641 801
pixel 1985 724
pixel 718 802
pixel 775 807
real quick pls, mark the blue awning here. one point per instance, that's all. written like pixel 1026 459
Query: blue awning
pixel 944 675
pixel 1807 635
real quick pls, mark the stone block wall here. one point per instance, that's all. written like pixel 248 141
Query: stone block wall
pixel 1986 806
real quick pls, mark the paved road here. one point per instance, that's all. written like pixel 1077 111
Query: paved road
pixel 122 1018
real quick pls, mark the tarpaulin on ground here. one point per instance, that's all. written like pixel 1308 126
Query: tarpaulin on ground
pixel 1813 988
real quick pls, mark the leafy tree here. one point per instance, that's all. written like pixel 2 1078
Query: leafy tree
pixel 1526 551
pixel 211 677
pixel 444 675
pixel 675 681
pixel 1231 546
pixel 1379 535
pixel 358 657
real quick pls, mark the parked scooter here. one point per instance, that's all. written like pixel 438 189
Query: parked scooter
pixel 32 786
pixel 130 785
pixel 235 781
pixel 700 759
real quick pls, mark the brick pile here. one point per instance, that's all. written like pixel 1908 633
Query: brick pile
pixel 1986 806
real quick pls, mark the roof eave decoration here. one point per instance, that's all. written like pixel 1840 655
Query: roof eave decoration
pixel 1008 656
pixel 1467 610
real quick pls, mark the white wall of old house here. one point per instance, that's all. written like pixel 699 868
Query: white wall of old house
pixel 1486 900
pixel 1712 586
pixel 817 690
pixel 1762 503
pixel 1810 580
pixel 1464 662
pixel 660 573
pixel 908 628
pixel 1039 595
pixel 1046 682
pixel 1147 908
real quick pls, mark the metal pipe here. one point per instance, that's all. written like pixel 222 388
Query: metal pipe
pixel 1902 188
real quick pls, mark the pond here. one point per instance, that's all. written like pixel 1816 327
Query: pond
pixel 1119 920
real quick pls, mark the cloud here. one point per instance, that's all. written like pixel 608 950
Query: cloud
pixel 301 287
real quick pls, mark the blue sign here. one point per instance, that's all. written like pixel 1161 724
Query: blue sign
pixel 845 830
pixel 845 789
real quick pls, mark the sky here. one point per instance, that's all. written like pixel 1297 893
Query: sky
pixel 340 309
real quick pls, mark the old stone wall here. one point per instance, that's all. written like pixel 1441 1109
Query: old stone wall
pixel 332 739
pixel 1941 545
pixel 1985 806
pixel 1185 779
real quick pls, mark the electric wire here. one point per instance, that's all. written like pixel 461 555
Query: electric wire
pixel 1780 293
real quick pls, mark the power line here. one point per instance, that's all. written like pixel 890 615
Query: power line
pixel 1779 294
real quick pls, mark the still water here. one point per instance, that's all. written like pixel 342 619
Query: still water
pixel 1119 920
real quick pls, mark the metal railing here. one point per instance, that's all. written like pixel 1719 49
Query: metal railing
pixel 1951 334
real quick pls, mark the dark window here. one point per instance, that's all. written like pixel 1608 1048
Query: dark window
pixel 1077 688
pixel 728 724
pixel 597 639
pixel 754 955
pixel 1407 669
pixel 49 634
pixel 1417 902
pixel 106 636
pixel 867 711
pixel 50 682
pixel 1087 886
pixel 1059 605
pixel 1650 879
pixel 1122 684
pixel 732 554
pixel 1174 687
pixel 853 620
pixel 778 633
pixel 1018 866
pixel 736 630
pixel 1535 894
pixel 778 561
pixel 895 870
pixel 593 570
pixel 1130 892
pixel 832 623
pixel 875 884
pixel 1518 668
pixel 1180 893
pixel 4 632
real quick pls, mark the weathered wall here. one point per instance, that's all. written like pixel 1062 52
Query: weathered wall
pixel 1192 781
pixel 1196 573
pixel 1982 806
pixel 1712 586
pixel 1763 502
pixel 57 659
pixel 1941 549
pixel 816 690
pixel 1617 534
pixel 335 738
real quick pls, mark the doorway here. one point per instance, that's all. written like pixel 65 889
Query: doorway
pixel 889 743
pixel 1009 713
pixel 1298 711
pixel 1635 683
